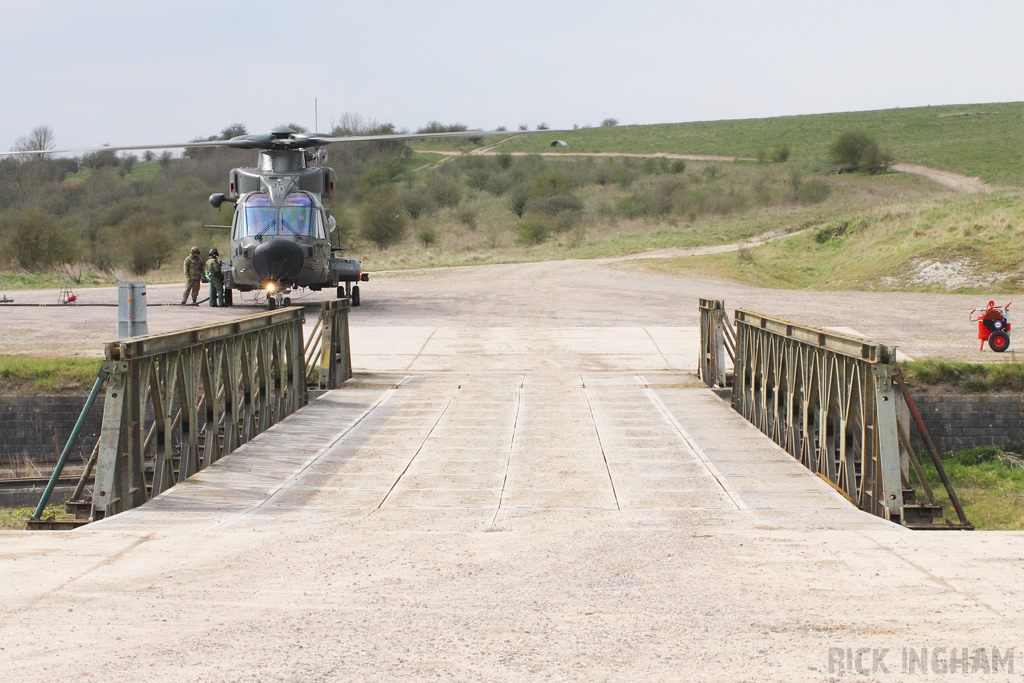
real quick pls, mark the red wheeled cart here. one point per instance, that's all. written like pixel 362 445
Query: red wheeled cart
pixel 993 326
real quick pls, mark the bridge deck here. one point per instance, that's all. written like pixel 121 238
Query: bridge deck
pixel 494 504
pixel 486 451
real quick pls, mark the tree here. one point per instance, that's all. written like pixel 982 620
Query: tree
pixel 849 148
pixel 609 123
pixel 438 127
pixel 234 130
pixel 39 140
pixel 382 220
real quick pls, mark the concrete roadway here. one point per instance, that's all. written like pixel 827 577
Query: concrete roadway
pixel 508 493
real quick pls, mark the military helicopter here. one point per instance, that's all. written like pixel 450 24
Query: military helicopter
pixel 281 231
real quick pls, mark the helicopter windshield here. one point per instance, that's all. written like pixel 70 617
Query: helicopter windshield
pixel 297 217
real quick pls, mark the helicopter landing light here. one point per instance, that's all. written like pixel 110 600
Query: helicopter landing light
pixel 270 287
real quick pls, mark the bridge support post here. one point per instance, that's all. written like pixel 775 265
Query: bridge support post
pixel 888 440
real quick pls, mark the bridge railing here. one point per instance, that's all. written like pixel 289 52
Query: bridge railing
pixel 178 402
pixel 826 397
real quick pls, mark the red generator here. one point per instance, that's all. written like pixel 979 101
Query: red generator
pixel 993 326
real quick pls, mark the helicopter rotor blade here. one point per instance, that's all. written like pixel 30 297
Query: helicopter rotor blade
pixel 122 148
pixel 279 138
pixel 326 139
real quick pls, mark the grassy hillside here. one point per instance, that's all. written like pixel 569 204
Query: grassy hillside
pixel 953 243
pixel 983 140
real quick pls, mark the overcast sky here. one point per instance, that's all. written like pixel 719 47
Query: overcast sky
pixel 128 73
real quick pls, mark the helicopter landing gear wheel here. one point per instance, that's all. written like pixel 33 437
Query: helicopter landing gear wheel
pixel 355 295
pixel 287 301
pixel 227 296
pixel 271 303
pixel 341 291
pixel 999 341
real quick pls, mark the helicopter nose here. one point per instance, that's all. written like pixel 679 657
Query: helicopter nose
pixel 278 260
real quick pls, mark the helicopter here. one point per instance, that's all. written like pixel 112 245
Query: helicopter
pixel 281 231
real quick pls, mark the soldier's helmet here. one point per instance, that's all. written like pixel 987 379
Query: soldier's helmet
pixel 195 250
pixel 214 252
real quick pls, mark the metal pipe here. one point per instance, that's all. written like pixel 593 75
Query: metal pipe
pixel 80 487
pixel 931 450
pixel 905 440
pixel 67 447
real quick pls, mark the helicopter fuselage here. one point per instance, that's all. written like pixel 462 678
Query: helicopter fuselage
pixel 280 231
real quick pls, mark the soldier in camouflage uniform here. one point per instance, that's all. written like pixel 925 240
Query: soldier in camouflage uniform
pixel 193 268
pixel 213 270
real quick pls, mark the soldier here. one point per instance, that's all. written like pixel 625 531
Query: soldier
pixel 213 269
pixel 193 268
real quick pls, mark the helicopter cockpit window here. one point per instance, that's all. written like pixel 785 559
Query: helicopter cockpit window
pixel 297 217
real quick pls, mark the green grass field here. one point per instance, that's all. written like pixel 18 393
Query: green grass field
pixel 983 140
pixel 27 375
pixel 989 483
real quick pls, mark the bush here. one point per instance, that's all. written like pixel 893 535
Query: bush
pixel 854 151
pixel 34 240
pixel 417 201
pixel 555 204
pixel 466 215
pixel 517 200
pixel 445 191
pixel 382 220
pixel 504 160
pixel 427 235
pixel 813 191
pixel 609 123
pixel 148 246
pixel 781 153
pixel 876 161
pixel 549 184
pixel 532 231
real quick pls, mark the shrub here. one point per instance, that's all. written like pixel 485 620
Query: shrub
pixel 555 204
pixel 148 246
pixel 781 153
pixel 382 171
pixel 517 200
pixel 631 206
pixel 876 161
pixel 34 239
pixel 504 159
pixel 853 151
pixel 427 235
pixel 625 176
pixel 609 123
pixel 417 201
pixel 445 191
pixel 531 231
pixel 382 220
pixel 548 184
pixel 813 191
pixel 466 215
pixel 678 166
pixel 479 179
